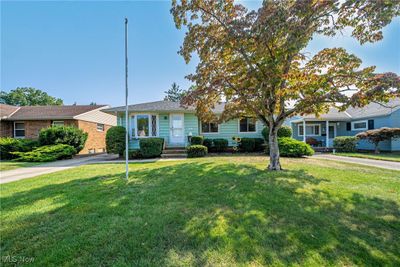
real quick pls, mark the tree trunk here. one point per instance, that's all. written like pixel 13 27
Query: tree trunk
pixel 274 163
pixel 377 148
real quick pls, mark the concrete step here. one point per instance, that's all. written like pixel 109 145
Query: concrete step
pixel 173 156
pixel 174 151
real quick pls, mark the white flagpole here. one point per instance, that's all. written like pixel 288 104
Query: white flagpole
pixel 126 101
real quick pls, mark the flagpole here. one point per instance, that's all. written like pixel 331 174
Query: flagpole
pixel 126 101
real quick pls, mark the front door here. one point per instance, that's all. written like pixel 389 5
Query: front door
pixel 331 134
pixel 176 129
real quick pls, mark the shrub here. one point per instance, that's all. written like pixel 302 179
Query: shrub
pixel 289 147
pixel 151 147
pixel 259 144
pixel 47 153
pixel 247 144
pixel 220 144
pixel 67 135
pixel 196 140
pixel 345 143
pixel 9 145
pixel 195 151
pixel 378 135
pixel 134 154
pixel 115 140
pixel 284 131
pixel 312 141
pixel 208 143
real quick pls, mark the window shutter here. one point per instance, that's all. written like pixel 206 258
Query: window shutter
pixel 348 126
pixel 371 124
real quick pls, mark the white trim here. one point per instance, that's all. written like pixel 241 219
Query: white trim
pixel 305 132
pixel 134 125
pixel 201 128
pixel 52 124
pixel 97 128
pixel 183 128
pixel 20 137
pixel 330 144
pixel 359 129
pixel 256 127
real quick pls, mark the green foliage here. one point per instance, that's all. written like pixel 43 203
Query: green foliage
pixel 220 145
pixel 247 144
pixel 115 140
pixel 259 144
pixel 9 145
pixel 196 151
pixel 290 147
pixel 208 143
pixel 284 131
pixel 67 135
pixel 134 154
pixel 151 147
pixel 27 96
pixel 345 143
pixel 174 94
pixel 197 140
pixel 47 153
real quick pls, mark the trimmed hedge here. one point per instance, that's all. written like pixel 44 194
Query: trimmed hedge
pixel 67 135
pixel 284 131
pixel 345 143
pixel 151 147
pixel 259 144
pixel 134 154
pixel 220 144
pixel 208 143
pixel 47 153
pixel 196 140
pixel 289 147
pixel 196 151
pixel 115 140
pixel 247 144
pixel 9 145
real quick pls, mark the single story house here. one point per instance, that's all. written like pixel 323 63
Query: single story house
pixel 27 121
pixel 174 123
pixel 348 123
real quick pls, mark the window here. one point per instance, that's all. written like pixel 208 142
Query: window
pixel 144 125
pixel 100 127
pixel 209 127
pixel 58 123
pixel 247 125
pixel 19 130
pixel 359 125
pixel 311 130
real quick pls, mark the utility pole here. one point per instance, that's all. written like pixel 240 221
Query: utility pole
pixel 126 102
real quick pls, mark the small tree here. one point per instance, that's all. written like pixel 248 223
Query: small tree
pixel 174 94
pixel 115 140
pixel 378 135
pixel 27 96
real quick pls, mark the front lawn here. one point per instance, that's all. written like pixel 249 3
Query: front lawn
pixel 388 156
pixel 11 165
pixel 219 211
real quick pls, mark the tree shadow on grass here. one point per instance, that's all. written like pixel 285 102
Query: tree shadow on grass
pixel 199 214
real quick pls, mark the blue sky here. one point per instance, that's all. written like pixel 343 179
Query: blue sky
pixel 75 50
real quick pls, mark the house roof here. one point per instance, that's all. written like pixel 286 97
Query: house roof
pixel 7 110
pixel 159 106
pixel 46 112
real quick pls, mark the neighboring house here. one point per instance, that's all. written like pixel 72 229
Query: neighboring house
pixel 27 121
pixel 174 123
pixel 349 123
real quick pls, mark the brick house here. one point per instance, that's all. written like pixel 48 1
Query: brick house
pixel 27 121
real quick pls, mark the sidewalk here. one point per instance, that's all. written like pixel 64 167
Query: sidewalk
pixel 390 165
pixel 28 172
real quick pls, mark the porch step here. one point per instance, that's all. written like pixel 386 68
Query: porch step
pixel 174 151
pixel 173 156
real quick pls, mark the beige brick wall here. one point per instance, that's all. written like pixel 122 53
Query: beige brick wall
pixel 96 141
pixel 6 129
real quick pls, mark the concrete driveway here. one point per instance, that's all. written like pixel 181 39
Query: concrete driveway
pixel 28 172
pixel 390 165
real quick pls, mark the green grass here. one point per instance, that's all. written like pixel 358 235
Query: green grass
pixel 219 211
pixel 388 156
pixel 11 165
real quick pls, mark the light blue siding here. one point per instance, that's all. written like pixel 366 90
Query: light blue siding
pixel 395 119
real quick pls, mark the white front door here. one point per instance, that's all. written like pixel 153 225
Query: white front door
pixel 176 129
pixel 331 134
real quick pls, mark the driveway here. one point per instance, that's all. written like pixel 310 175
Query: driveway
pixel 390 165
pixel 28 172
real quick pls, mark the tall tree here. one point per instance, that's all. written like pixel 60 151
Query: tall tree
pixel 254 59
pixel 28 96
pixel 174 94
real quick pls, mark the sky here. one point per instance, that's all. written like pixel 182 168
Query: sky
pixel 74 50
